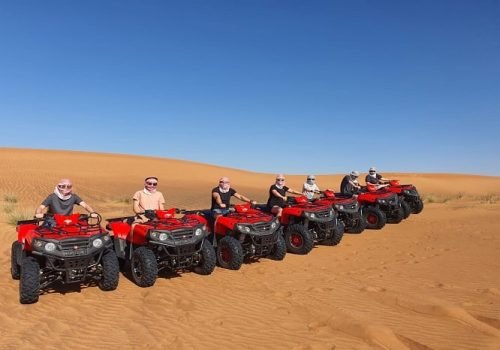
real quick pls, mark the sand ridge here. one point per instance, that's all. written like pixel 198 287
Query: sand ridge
pixel 430 282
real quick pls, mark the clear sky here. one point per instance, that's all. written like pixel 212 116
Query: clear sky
pixel 262 85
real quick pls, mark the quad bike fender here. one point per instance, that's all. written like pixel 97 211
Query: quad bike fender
pixel 120 230
pixel 223 225
pixel 197 217
pixel 23 231
pixel 288 213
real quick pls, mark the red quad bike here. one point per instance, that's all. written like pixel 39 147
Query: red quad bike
pixel 380 207
pixel 347 208
pixel 408 194
pixel 246 233
pixel 163 242
pixel 304 223
pixel 68 249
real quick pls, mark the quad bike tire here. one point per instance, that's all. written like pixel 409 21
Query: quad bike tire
pixel 208 259
pixel 418 206
pixel 338 233
pixel 15 268
pixel 29 286
pixel 229 253
pixel 398 217
pixel 359 226
pixel 375 218
pixel 406 208
pixel 298 239
pixel 143 267
pixel 110 271
pixel 279 250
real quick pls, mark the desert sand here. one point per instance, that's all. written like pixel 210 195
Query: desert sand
pixel 430 282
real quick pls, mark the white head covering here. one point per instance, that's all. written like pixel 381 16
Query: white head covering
pixel 66 194
pixel 224 184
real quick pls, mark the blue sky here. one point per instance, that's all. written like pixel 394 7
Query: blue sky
pixel 269 86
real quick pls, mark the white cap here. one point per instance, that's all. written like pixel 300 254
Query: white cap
pixel 355 173
pixel 372 169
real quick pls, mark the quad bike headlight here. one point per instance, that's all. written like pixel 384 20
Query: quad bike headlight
pixel 96 243
pixel 37 243
pixel 382 201
pixel 243 228
pixel 198 232
pixel 50 247
pixel 339 206
pixel 154 234
pixel 163 236
pixel 274 224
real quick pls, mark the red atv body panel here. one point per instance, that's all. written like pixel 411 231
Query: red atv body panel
pixel 296 210
pixel 66 226
pixel 166 220
pixel 367 198
pixel 395 187
pixel 243 214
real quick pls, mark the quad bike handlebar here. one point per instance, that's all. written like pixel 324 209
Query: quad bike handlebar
pixel 53 220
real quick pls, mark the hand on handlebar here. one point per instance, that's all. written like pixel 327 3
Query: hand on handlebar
pixel 38 215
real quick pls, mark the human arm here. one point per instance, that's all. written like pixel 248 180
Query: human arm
pixel 161 202
pixel 87 208
pixel 355 184
pixel 39 212
pixel 294 192
pixel 244 199
pixel 277 194
pixel 136 206
pixel 218 199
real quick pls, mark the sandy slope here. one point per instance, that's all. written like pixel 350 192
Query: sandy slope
pixel 431 282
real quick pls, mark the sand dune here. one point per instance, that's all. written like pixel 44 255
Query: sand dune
pixel 430 282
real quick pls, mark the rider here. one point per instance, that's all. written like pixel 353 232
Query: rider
pixel 62 201
pixel 277 195
pixel 149 198
pixel 221 197
pixel 375 178
pixel 350 184
pixel 309 188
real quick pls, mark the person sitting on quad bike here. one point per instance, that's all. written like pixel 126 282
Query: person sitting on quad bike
pixel 221 197
pixel 277 195
pixel 309 188
pixel 376 179
pixel 62 201
pixel 350 184
pixel 148 199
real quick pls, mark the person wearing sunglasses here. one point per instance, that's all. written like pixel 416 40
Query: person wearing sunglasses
pixel 62 200
pixel 309 188
pixel 350 184
pixel 375 178
pixel 221 197
pixel 277 195
pixel 149 198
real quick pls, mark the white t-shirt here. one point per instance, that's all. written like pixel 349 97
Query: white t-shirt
pixel 308 190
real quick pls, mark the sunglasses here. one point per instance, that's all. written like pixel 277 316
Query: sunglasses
pixel 224 182
pixel 151 183
pixel 280 179
pixel 311 178
pixel 372 171
pixel 65 186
